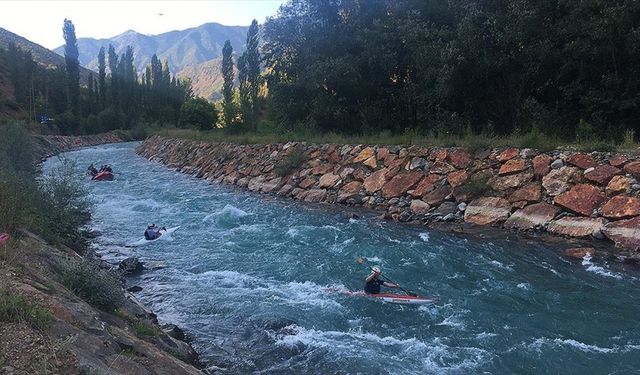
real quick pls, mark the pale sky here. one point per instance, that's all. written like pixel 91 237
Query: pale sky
pixel 41 21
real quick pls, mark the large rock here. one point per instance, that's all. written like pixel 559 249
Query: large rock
pixel 624 232
pixel 618 161
pixel 364 155
pixel 576 226
pixel 372 162
pixel 487 210
pixel 581 160
pixel 446 208
pixel 321 169
pixel 619 185
pixel 419 207
pixel 131 266
pixel 400 183
pixel 457 178
pixel 602 174
pixel 271 185
pixel 633 169
pixel 582 199
pixel 315 195
pixel 328 180
pixel 529 193
pixel 508 154
pixel 441 167
pixel 538 214
pixel 375 181
pixel 438 195
pixel 459 158
pixel 580 252
pixel 621 207
pixel 307 183
pixel 349 190
pixel 425 185
pixel 559 180
pixel 418 163
pixel 541 165
pixel 512 166
pixel 502 183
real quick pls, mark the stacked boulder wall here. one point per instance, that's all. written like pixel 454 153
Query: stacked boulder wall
pixel 564 193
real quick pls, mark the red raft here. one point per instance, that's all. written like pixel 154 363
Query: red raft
pixel 103 176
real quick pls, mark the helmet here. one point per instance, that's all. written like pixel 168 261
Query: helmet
pixel 376 269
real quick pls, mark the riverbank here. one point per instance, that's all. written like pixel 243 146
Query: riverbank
pixel 591 196
pixel 67 313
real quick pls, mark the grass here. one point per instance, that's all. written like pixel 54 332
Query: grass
pixel 100 288
pixel 16 308
pixel 142 329
pixel 471 142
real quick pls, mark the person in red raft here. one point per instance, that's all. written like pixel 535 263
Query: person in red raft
pixel 373 282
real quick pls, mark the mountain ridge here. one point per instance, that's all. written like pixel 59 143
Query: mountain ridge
pixel 187 51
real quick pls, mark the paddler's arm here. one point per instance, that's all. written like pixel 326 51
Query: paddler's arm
pixel 391 285
pixel 370 277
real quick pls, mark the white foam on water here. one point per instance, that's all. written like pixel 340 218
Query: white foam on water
pixel 355 343
pixel 353 221
pixel 424 236
pixel 539 343
pixel 452 321
pixel 502 265
pixel 485 335
pixel 525 286
pixel 546 266
pixel 373 259
pixel 393 240
pixel 227 211
pixel 586 261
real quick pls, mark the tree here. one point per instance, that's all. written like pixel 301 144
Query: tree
pixel 252 59
pixel 102 78
pixel 72 65
pixel 113 69
pixel 228 106
pixel 244 91
pixel 198 112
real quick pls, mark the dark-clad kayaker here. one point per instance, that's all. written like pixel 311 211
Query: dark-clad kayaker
pixel 152 232
pixel 373 282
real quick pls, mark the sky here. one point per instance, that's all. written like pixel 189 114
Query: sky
pixel 41 21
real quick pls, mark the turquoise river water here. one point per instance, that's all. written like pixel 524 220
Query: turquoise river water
pixel 246 277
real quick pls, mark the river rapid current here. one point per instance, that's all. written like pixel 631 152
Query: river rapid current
pixel 246 276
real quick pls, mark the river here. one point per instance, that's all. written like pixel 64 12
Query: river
pixel 246 276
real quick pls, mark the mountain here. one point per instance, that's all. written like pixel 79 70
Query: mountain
pixel 191 53
pixel 40 54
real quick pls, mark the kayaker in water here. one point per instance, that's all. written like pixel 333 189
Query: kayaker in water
pixel 373 282
pixel 92 170
pixel 152 232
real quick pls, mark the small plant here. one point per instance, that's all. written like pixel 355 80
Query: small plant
pixel 629 141
pixel 98 287
pixel 143 329
pixel 584 132
pixel 476 188
pixel 16 308
pixel 290 162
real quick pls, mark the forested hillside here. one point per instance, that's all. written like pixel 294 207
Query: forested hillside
pixel 438 67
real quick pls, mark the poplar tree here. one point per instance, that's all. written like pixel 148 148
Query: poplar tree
pixel 113 68
pixel 253 69
pixel 72 65
pixel 227 87
pixel 102 77
pixel 244 89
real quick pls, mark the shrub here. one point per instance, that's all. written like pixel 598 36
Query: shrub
pixel 98 287
pixel 143 329
pixel 198 112
pixel 290 162
pixel 584 132
pixel 16 308
pixel 476 188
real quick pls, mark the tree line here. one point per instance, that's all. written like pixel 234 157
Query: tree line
pixel 453 67
pixel 115 98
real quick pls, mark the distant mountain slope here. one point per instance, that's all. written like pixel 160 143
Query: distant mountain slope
pixel 191 53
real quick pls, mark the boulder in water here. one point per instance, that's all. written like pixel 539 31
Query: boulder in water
pixel 131 266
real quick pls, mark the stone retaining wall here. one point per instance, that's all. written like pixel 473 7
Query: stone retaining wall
pixel 49 145
pixel 565 193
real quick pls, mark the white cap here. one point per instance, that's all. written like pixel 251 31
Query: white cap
pixel 376 269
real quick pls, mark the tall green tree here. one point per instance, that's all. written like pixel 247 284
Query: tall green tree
pixel 102 78
pixel 72 65
pixel 244 90
pixel 253 70
pixel 228 107
pixel 113 69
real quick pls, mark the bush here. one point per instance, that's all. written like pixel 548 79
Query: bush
pixel 15 308
pixel 98 287
pixel 290 162
pixel 198 112
pixel 476 188
pixel 584 132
